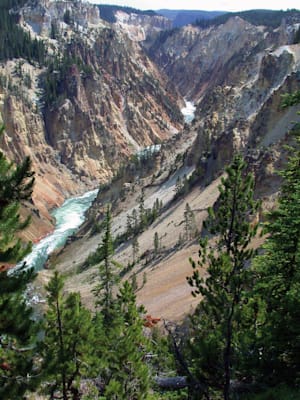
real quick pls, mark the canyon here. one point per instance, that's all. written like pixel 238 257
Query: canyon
pixel 110 90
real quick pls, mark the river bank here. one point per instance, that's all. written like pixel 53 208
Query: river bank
pixel 68 219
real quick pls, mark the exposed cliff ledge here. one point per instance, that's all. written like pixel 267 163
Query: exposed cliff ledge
pixel 97 100
pixel 208 56
pixel 41 15
pixel 141 27
pixel 248 116
pixel 103 115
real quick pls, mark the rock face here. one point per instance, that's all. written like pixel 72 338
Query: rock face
pixel 97 100
pixel 121 104
pixel 141 27
pixel 40 15
pixel 247 115
pixel 198 59
pixel 236 73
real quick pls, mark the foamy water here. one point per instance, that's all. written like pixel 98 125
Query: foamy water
pixel 68 219
pixel 188 111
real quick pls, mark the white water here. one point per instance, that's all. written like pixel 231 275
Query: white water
pixel 68 218
pixel 188 111
pixel 155 148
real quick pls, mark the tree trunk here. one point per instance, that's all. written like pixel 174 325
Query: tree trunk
pixel 61 343
pixel 227 355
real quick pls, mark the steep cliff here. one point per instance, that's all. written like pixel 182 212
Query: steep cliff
pixel 236 72
pixel 94 101
pixel 238 90
pixel 141 27
pixel 247 115
pixel 197 59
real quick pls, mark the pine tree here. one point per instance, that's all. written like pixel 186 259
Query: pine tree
pixel 107 276
pixel 17 329
pixel 67 347
pixel 135 222
pixel 142 211
pixel 135 250
pixel 189 222
pixel 126 358
pixel 278 282
pixel 217 320
pixel 156 243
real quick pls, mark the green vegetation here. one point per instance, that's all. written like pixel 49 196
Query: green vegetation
pixel 185 184
pixel 278 281
pixel 216 340
pixel 14 41
pixel 136 223
pixel 190 228
pixel 17 331
pixel 66 347
pixel 108 346
pixel 58 72
pixel 242 341
pixel 108 278
pixel 280 392
pixel 297 36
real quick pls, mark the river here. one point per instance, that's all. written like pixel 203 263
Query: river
pixel 68 218
pixel 188 111
pixel 72 214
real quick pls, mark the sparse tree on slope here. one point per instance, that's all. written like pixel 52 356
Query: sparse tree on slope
pixel 217 320
pixel 107 275
pixel 189 223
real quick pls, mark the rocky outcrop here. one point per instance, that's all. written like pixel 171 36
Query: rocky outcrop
pixel 248 115
pixel 25 135
pixel 97 100
pixel 42 15
pixel 199 59
pixel 120 105
pixel 141 27
pixel 236 72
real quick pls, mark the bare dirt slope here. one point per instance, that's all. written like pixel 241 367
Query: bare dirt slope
pixel 166 293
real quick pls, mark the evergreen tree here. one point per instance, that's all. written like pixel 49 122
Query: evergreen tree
pixel 278 282
pixel 129 228
pixel 120 344
pixel 107 276
pixel 156 243
pixel 17 329
pixel 126 358
pixel 142 211
pixel 189 222
pixel 135 250
pixel 67 347
pixel 135 222
pixel 134 283
pixel 218 318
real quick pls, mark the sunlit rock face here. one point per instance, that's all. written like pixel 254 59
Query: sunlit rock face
pixel 140 27
pixel 246 115
pixel 236 73
pixel 110 101
pixel 216 55
pixel 40 15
